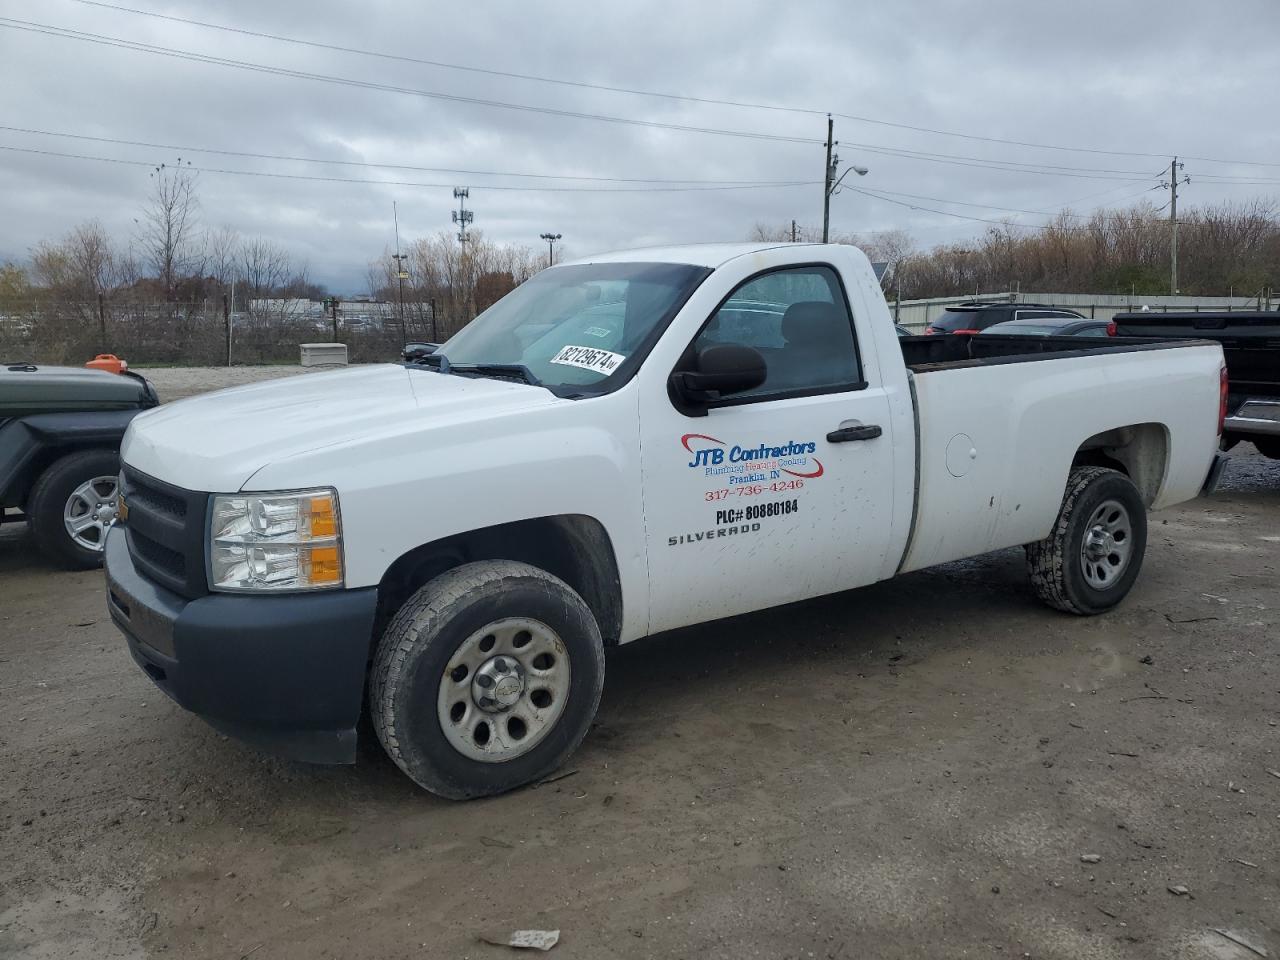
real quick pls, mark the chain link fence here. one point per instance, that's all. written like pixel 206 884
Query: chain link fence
pixel 207 334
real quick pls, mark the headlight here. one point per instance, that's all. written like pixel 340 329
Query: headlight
pixel 275 541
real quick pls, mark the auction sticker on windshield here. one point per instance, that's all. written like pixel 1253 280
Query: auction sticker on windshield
pixel 589 358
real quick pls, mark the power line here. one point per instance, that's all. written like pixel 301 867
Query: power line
pixel 686 98
pixel 1101 193
pixel 906 151
pixel 401 58
pixel 1039 169
pixel 381 166
pixel 1009 166
pixel 881 195
pixel 177 54
pixel 990 206
pixel 404 183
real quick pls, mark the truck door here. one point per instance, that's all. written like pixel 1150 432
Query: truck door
pixel 779 493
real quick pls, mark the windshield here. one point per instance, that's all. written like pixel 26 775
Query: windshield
pixel 957 320
pixel 577 326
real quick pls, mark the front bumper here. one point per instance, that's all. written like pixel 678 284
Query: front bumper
pixel 285 673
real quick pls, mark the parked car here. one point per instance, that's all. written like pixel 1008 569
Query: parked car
pixel 1051 327
pixel 60 431
pixel 463 537
pixel 1251 343
pixel 973 317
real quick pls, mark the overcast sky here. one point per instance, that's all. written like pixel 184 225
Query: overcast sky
pixel 1122 75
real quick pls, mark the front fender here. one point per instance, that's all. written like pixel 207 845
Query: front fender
pixel 402 489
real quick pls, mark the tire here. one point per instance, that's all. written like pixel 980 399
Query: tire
pixel 435 683
pixel 1268 446
pixel 81 486
pixel 1093 555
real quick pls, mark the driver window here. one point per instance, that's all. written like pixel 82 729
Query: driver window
pixel 799 322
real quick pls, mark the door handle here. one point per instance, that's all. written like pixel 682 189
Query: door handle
pixel 864 432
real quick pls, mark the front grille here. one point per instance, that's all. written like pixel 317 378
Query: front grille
pixel 159 501
pixel 165 532
pixel 158 556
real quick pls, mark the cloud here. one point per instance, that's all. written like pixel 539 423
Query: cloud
pixel 1150 77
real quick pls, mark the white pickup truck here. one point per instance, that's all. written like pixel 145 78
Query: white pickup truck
pixel 621 446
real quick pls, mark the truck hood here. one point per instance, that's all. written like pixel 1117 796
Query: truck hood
pixel 217 441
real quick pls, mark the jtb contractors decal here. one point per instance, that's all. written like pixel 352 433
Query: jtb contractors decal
pixel 750 471
pixel 589 358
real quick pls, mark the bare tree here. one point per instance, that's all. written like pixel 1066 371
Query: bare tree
pixel 269 276
pixel 222 256
pixel 78 267
pixel 169 231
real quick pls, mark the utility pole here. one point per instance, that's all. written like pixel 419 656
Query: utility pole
pixel 332 304
pixel 401 274
pixel 462 216
pixel 551 239
pixel 1174 167
pixel 226 322
pixel 230 310
pixel 102 323
pixel 832 183
pixel 826 184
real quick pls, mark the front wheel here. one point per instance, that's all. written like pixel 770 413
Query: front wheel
pixel 486 679
pixel 1092 557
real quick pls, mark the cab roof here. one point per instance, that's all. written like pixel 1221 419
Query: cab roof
pixel 695 254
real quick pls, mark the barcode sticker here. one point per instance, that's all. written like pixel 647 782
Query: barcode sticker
pixel 589 358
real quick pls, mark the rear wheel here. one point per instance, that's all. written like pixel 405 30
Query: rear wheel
pixel 1093 555
pixel 486 679
pixel 71 506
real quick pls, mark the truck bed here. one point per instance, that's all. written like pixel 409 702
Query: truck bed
pixel 957 351
pixel 1000 418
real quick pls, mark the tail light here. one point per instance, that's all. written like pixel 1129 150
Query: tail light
pixel 1111 329
pixel 1222 397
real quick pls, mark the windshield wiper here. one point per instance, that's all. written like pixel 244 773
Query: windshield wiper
pixel 494 370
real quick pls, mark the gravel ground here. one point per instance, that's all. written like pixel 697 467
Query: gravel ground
pixel 915 769
pixel 174 383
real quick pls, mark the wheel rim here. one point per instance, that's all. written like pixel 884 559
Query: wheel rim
pixel 503 690
pixel 1107 545
pixel 91 508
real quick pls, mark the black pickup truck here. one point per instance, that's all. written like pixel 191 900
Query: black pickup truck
pixel 60 432
pixel 1251 344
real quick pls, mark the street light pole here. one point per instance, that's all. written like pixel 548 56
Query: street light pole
pixel 551 239
pixel 401 274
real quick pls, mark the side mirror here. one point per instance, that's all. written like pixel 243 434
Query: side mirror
pixel 719 371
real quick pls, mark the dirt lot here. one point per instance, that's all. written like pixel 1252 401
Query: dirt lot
pixel 910 770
